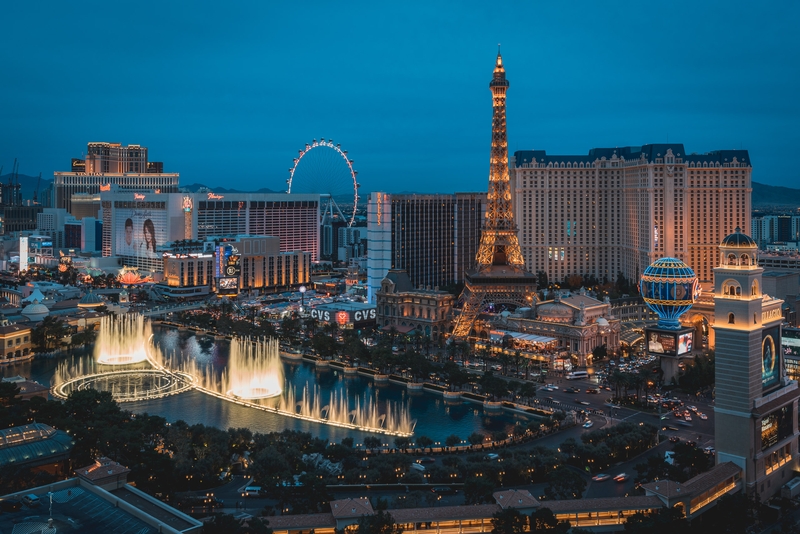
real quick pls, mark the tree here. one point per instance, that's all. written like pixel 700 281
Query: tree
pixel 372 442
pixel 424 441
pixel 223 524
pixel 732 513
pixel 8 393
pixel 508 521
pixel 475 439
pixel 452 440
pixel 543 520
pixel 564 483
pixel 478 489
pixel 600 352
pixel 48 333
pixel 381 522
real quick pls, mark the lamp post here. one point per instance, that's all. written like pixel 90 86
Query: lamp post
pixel 302 290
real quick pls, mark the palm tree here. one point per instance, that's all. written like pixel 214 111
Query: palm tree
pixel 424 441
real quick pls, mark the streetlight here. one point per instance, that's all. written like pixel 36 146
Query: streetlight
pixel 302 290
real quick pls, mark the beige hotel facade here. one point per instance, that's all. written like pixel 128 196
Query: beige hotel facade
pixel 619 209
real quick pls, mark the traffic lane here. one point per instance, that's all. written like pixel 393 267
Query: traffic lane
pixel 393 496
pixel 612 488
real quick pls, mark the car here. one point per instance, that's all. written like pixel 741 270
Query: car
pixel 670 428
pixel 31 500
pixel 588 424
pixel 692 408
pixel 710 451
pixel 584 403
pixel 602 477
pixel 691 443
pixel 702 416
pixel 551 386
pixel 684 423
pixel 687 417
pixel 426 460
pixel 674 439
pixel 444 490
pixel 569 390
pixel 622 477
pixel 491 456
pixel 417 467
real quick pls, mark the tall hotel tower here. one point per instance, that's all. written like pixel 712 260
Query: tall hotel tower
pixel 500 276
pixel 756 404
pixel 616 210
pixel 109 164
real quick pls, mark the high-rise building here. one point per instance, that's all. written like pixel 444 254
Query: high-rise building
pixel 768 229
pixel 292 218
pixel 108 164
pixel 434 238
pixel 500 277
pixel 616 210
pixel 755 403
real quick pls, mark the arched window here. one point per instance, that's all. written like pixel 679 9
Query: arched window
pixel 738 291
pixel 731 319
pixel 731 259
pixel 386 310
pixel 754 289
pixel 755 319
pixel 745 260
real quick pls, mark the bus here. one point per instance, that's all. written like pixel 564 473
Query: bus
pixel 577 375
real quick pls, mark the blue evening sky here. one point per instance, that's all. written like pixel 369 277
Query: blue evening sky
pixel 226 92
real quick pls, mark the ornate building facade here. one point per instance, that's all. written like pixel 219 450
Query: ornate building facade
pixel 407 309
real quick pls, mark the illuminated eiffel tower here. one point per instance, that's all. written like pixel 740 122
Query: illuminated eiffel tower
pixel 500 276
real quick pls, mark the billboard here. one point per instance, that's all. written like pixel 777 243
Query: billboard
pixel 228 264
pixel 776 426
pixel 139 232
pixel 23 253
pixel 228 286
pixel 771 367
pixel 790 342
pixel 661 342
pixel 685 342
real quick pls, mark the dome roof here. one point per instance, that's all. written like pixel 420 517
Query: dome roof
pixel 738 240
pixel 90 300
pixel 554 311
pixel 602 321
pixel 35 311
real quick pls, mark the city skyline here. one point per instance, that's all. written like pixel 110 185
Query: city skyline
pixel 227 98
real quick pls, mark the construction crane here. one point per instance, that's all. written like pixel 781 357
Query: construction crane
pixel 36 191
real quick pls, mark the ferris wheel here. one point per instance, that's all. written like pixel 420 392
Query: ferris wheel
pixel 322 168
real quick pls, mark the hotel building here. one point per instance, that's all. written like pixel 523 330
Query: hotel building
pixel 434 238
pixel 755 403
pixel 616 210
pixel 108 164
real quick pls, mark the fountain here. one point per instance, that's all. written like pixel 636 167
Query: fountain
pixel 132 369
pixel 123 340
pixel 254 370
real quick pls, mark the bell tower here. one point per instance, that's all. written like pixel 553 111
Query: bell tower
pixel 755 403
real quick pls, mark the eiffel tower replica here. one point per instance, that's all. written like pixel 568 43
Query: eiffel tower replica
pixel 500 276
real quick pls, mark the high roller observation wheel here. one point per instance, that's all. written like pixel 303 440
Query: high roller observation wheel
pixel 323 175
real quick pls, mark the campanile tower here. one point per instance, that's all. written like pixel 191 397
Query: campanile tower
pixel 500 276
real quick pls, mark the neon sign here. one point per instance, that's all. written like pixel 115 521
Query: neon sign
pixel 212 196
pixel 137 196
pixel 106 187
pixel 380 214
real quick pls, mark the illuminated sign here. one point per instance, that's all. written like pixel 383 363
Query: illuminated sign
pixel 685 343
pixel 776 426
pixel 342 317
pixel 137 196
pixel 321 315
pixel 228 286
pixel 661 342
pixel 790 342
pixel 770 356
pixel 23 253
pixel 187 204
pixel 106 187
pixel 380 214
pixel 212 196
pixel 364 315
pixel 771 315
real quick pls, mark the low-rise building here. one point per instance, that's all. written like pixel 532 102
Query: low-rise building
pixel 15 343
pixel 406 309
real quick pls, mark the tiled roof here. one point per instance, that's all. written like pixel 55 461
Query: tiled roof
pixel 345 508
pixel 515 499
pixel 694 486
pixel 101 468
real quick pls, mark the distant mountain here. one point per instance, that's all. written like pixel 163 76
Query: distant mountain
pixel 772 195
pixel 194 188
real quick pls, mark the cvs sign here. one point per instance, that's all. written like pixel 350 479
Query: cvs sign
pixel 364 315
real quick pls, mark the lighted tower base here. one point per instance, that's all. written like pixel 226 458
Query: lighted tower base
pixel 672 347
